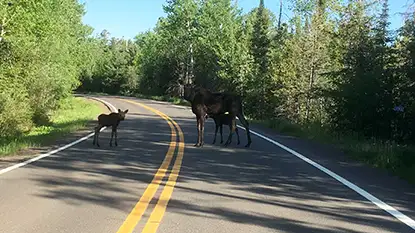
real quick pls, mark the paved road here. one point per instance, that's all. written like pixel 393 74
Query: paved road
pixel 260 189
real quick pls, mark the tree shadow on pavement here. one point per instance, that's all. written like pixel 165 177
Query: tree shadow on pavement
pixel 260 185
pixel 110 176
pixel 268 177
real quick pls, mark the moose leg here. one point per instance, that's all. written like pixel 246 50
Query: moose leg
pixel 96 135
pixel 198 131
pixel 202 131
pixel 116 137
pixel 231 130
pixel 221 134
pixel 216 131
pixel 112 134
pixel 237 134
pixel 246 125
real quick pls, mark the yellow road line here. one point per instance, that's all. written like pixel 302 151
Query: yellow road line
pixel 136 213
pixel 158 212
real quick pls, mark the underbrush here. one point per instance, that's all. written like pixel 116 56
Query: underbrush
pixel 73 114
pixel 392 157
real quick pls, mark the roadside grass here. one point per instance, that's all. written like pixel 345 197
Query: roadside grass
pixel 74 115
pixel 174 100
pixel 165 98
pixel 393 158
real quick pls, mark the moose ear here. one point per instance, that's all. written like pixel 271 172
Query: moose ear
pixel 126 111
pixel 119 110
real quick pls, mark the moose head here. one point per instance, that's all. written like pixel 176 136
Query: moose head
pixel 186 90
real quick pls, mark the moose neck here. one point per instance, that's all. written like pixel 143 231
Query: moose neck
pixel 189 97
pixel 189 94
pixel 204 91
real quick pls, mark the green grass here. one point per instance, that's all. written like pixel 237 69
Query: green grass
pixel 396 159
pixel 174 100
pixel 74 114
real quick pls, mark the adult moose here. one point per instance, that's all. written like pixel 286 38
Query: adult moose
pixel 205 102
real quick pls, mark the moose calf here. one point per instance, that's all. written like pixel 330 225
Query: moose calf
pixel 220 120
pixel 113 119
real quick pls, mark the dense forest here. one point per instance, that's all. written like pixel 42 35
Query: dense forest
pixel 334 64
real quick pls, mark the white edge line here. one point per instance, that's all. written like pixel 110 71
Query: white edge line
pixel 181 107
pixel 41 156
pixel 397 214
pixel 394 212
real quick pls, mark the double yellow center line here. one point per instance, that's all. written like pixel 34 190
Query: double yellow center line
pixel 160 208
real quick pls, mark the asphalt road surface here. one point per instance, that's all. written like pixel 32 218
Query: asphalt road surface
pixel 156 180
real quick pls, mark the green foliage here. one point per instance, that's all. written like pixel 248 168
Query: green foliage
pixel 334 65
pixel 113 68
pixel 42 47
pixel 316 68
pixel 332 69
pixel 15 111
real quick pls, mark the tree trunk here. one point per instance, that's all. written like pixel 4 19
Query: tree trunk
pixel 189 65
pixel 280 14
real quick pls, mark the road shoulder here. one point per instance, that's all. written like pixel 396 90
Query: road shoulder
pixel 380 183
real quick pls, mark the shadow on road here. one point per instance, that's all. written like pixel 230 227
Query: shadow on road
pixel 262 175
pixel 106 175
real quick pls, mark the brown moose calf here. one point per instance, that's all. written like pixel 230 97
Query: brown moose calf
pixel 220 120
pixel 113 119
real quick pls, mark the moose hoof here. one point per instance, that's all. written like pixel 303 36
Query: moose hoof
pixel 116 144
pixel 239 143
pixel 248 145
pixel 199 144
